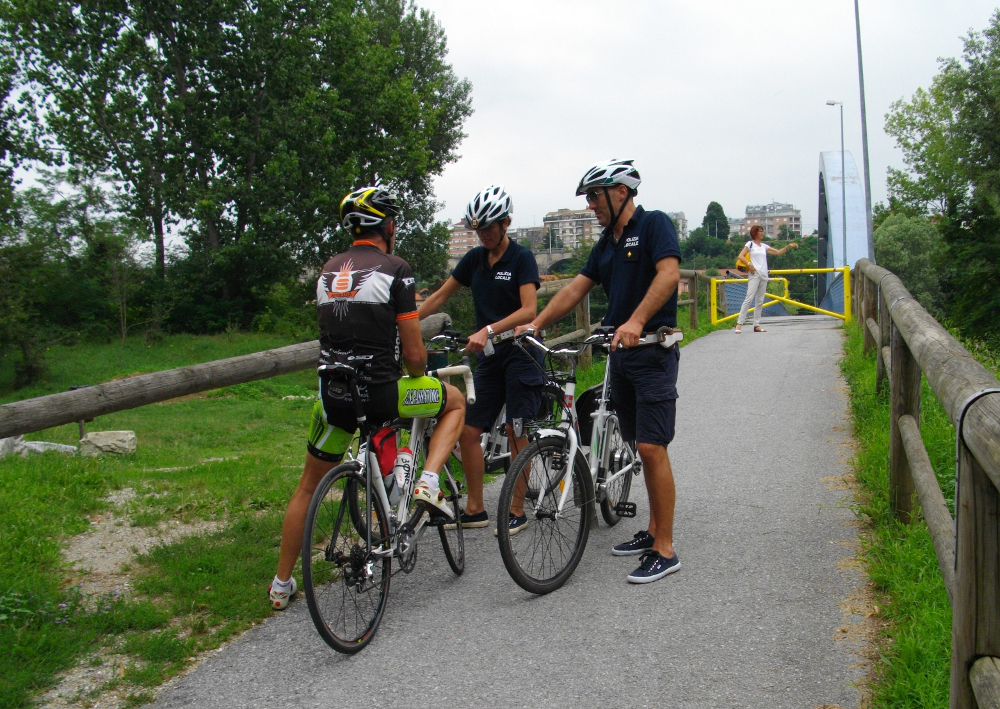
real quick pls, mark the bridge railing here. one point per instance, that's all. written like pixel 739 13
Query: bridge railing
pixel 910 342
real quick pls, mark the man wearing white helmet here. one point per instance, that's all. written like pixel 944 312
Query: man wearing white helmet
pixel 504 279
pixel 637 260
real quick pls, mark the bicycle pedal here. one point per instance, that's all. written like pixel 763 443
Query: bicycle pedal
pixel 625 509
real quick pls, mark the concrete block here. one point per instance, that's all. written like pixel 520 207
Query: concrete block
pixel 114 442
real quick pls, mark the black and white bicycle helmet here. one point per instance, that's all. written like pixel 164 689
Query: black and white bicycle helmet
pixel 367 208
pixel 490 205
pixel 607 173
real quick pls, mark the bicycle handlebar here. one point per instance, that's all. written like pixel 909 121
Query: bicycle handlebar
pixel 455 370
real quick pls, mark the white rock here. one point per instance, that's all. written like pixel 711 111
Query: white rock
pixel 101 442
pixel 11 445
pixel 43 446
pixel 17 444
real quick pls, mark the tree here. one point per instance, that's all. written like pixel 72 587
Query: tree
pixel 246 123
pixel 911 248
pixel 716 223
pixel 950 138
pixel 426 250
pixel 785 233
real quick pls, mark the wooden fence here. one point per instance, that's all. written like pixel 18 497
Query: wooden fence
pixel 85 403
pixel 910 342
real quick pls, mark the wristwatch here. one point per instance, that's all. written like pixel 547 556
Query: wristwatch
pixel 489 331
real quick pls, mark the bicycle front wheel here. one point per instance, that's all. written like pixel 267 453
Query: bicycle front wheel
pixel 344 577
pixel 620 453
pixel 543 553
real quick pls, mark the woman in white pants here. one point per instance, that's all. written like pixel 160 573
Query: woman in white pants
pixel 754 257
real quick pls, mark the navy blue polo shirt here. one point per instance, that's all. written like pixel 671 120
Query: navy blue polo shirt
pixel 627 269
pixel 496 290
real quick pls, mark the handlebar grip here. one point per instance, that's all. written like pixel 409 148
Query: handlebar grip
pixel 454 370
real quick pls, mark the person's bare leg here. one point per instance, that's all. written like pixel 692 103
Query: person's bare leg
pixel 447 431
pixel 474 468
pixel 295 515
pixel 516 445
pixel 662 496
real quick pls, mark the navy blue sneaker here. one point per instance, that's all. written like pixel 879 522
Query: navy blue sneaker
pixel 515 523
pixel 475 521
pixel 641 542
pixel 653 566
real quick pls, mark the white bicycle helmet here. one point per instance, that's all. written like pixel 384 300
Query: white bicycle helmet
pixel 490 205
pixel 607 173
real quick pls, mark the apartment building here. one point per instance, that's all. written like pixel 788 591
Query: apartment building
pixel 462 240
pixel 738 228
pixel 680 224
pixel 572 226
pixel 772 217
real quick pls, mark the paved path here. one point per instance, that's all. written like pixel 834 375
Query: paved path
pixel 749 621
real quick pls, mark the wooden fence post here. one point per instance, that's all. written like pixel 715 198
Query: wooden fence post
pixel 885 332
pixel 869 309
pixel 693 295
pixel 582 313
pixel 975 627
pixel 905 399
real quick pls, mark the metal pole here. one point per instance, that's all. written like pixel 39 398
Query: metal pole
pixel 864 137
pixel 843 185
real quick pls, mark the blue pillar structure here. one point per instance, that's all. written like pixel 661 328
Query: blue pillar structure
pixel 830 250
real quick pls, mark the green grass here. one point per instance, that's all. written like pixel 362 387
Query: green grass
pixel 233 456
pixel 915 659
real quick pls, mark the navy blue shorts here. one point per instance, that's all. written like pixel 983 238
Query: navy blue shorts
pixel 507 377
pixel 644 392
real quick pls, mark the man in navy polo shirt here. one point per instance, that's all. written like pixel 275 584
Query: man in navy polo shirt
pixel 637 260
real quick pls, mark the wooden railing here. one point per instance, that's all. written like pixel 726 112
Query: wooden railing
pixel 85 403
pixel 909 342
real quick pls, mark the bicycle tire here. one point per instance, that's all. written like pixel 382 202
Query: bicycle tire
pixel 338 569
pixel 453 540
pixel 621 488
pixel 542 556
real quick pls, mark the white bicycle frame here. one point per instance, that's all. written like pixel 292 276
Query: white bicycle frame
pixel 420 431
pixel 597 455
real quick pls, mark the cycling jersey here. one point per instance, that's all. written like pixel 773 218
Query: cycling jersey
pixel 361 295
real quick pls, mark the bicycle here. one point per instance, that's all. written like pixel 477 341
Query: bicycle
pixel 353 532
pixel 560 480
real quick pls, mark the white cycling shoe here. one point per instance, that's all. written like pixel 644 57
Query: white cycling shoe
pixel 281 596
pixel 434 498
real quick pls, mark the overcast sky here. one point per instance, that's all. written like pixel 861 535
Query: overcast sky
pixel 715 100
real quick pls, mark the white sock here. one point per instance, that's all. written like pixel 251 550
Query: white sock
pixel 430 478
pixel 280 583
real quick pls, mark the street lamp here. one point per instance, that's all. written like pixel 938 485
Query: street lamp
pixel 843 177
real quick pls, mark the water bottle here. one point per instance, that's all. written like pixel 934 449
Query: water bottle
pixel 403 469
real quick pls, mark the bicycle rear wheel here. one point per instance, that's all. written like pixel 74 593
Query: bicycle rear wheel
pixel 620 454
pixel 345 583
pixel 453 540
pixel 543 554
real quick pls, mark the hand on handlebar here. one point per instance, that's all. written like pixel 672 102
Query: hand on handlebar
pixel 529 328
pixel 477 341
pixel 628 335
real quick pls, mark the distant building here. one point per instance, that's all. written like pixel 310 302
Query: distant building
pixel 680 224
pixel 737 228
pixel 772 217
pixel 462 240
pixel 529 236
pixel 572 226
